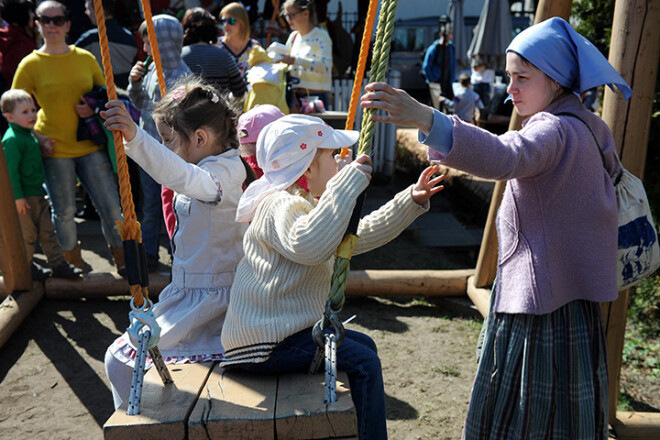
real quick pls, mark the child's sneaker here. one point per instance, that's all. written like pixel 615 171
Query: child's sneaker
pixel 66 270
pixel 39 273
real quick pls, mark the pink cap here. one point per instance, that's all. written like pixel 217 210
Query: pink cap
pixel 254 120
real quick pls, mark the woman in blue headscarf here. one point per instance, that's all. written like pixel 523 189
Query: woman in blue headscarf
pixel 542 370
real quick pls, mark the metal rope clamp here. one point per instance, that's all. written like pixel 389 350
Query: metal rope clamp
pixel 140 318
pixel 327 343
pixel 330 319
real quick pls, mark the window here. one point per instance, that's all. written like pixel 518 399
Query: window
pixel 408 39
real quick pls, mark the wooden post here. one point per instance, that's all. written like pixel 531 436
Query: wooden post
pixel 552 8
pixel 15 308
pixel 13 261
pixel 634 53
pixel 487 259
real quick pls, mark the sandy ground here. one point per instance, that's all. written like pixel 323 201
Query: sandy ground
pixel 53 385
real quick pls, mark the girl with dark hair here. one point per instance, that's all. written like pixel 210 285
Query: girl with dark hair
pixel 200 161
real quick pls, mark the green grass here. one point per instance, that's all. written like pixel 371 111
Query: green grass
pixel 446 371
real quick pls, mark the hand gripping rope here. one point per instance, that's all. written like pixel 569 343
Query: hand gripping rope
pixel 323 330
pixel 144 331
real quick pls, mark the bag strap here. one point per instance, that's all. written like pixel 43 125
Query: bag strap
pixel 600 151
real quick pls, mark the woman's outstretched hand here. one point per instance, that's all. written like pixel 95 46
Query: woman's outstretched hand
pixel 426 186
pixel 402 109
pixel 117 118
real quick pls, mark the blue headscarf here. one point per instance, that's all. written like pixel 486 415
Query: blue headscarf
pixel 555 48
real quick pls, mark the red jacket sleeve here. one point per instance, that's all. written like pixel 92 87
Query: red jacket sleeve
pixel 168 212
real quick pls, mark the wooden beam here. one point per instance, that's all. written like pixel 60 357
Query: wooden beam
pixel 487 260
pixel 552 8
pixel 15 308
pixel 360 283
pixel 3 288
pixel 637 426
pixel 408 282
pixel 479 296
pixel 634 53
pixel 100 285
pixel 164 409
pixel 13 260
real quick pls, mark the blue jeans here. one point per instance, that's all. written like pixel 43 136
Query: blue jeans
pixel 357 356
pixel 483 90
pixel 95 173
pixel 152 215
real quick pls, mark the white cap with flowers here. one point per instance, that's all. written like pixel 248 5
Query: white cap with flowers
pixel 285 149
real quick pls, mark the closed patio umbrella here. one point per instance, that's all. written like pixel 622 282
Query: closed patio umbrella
pixel 493 35
pixel 460 40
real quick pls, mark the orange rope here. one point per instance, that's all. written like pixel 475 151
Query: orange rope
pixel 153 42
pixel 130 228
pixel 362 63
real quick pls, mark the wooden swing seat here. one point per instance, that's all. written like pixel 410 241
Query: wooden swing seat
pixel 208 402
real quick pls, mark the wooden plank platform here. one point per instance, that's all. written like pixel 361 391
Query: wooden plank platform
pixel 208 402
pixel 301 413
pixel 235 405
pixel 164 409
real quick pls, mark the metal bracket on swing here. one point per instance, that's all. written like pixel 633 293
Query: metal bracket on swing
pixel 144 333
pixel 327 343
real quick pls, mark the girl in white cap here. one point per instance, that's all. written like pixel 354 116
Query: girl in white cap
pixel 282 283
pixel 201 163
pixel 542 370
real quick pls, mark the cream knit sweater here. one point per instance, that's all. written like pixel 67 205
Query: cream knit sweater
pixel 282 283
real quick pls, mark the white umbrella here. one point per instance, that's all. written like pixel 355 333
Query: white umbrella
pixel 460 40
pixel 493 35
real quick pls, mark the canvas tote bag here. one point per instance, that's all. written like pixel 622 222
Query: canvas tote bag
pixel 638 253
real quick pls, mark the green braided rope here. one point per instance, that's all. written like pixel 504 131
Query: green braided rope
pixel 339 280
pixel 379 63
pixel 379 66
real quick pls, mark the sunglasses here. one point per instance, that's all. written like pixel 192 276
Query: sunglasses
pixel 290 16
pixel 58 21
pixel 231 21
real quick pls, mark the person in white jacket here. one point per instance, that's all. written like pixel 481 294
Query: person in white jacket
pixel 201 163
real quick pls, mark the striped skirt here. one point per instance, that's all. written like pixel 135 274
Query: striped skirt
pixel 541 377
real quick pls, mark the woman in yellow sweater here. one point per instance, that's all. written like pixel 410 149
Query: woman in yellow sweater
pixel 57 75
